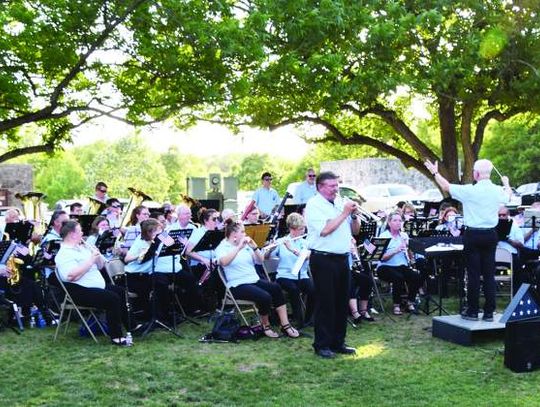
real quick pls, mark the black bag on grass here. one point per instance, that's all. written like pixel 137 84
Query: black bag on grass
pixel 225 328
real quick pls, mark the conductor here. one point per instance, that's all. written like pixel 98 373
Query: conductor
pixel 330 221
pixel 481 203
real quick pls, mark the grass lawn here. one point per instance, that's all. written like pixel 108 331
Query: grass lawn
pixel 398 364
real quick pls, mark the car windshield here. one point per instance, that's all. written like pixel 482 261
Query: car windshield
pixel 400 190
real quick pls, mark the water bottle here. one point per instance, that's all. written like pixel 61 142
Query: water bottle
pixel 41 323
pixel 32 322
pixel 129 339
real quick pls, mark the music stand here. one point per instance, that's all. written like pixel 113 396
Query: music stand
pixel 259 233
pixel 368 230
pixel 530 218
pixel 106 241
pixel 414 226
pixel 151 254
pixel 19 231
pixel 431 208
pixel 85 221
pixel 176 249
pixel 379 246
pixel 503 229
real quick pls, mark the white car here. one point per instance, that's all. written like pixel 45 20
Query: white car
pixel 346 191
pixel 386 196
pixel 429 195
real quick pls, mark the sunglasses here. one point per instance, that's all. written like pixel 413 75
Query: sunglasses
pixel 115 206
pixel 215 219
pixel 267 179
pixel 311 175
pixel 103 190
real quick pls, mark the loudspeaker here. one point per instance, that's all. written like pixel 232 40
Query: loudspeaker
pixel 522 345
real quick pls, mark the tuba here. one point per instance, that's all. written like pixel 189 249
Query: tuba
pixel 95 207
pixel 137 198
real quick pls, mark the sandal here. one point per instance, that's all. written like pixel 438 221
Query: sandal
pixel 290 331
pixel 364 314
pixel 397 310
pixel 412 309
pixel 269 332
pixel 356 319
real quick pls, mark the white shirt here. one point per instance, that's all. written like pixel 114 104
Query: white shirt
pixel 287 260
pixel 515 234
pixel 135 250
pixel 304 191
pixel 400 258
pixel 266 199
pixel 318 212
pixel 481 202
pixel 242 269
pixel 69 258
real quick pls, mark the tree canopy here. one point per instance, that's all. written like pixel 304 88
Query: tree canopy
pixel 356 67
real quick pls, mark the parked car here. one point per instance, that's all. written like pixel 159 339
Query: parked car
pixel 345 191
pixel 429 195
pixel 528 193
pixel 386 196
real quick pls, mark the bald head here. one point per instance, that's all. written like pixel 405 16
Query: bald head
pixel 482 169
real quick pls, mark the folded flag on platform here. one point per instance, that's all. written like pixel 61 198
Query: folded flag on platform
pixel 166 239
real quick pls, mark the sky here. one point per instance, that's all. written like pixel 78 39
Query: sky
pixel 204 139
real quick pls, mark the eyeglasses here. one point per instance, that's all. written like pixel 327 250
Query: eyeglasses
pixel 503 215
pixel 267 178
pixel 115 206
pixel 311 175
pixel 215 219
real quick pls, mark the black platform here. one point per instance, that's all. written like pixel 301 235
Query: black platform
pixel 455 329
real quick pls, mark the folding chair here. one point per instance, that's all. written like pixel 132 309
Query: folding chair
pixel 504 268
pixel 229 299
pixel 69 305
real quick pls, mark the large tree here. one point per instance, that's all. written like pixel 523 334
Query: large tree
pixel 66 62
pixel 356 67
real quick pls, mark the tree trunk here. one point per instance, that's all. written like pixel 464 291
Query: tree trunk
pixel 447 120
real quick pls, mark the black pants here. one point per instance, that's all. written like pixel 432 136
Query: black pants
pixel 110 299
pixel 263 293
pixel 295 288
pixel 361 285
pixel 331 277
pixel 479 250
pixel 186 287
pixel 398 276
pixel 140 284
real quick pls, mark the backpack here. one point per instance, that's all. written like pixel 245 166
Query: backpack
pixel 225 328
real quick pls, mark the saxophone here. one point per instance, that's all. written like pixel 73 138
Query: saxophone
pixel 14 266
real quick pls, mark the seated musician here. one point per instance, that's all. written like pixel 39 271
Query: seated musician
pixel 394 266
pixel 57 220
pixel 448 221
pixel 295 284
pixel 408 211
pixel 361 287
pixel 76 208
pixel 133 230
pixel 113 212
pixel 78 267
pixel 227 213
pixel 137 271
pixel 169 272
pixel 252 218
pixel 237 254
pixel 202 260
pixel 99 225
pixel 532 235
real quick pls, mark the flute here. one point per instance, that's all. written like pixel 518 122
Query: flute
pixel 282 240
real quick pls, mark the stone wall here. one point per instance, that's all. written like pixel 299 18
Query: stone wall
pixel 367 171
pixel 15 178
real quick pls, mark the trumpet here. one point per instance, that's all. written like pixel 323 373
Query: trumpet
pixel 282 240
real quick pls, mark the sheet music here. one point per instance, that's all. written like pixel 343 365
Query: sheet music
pixel 302 256
pixel 444 248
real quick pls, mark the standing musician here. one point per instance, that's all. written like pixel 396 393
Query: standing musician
pixel 100 193
pixel 394 265
pixel 331 221
pixel 237 254
pixel 294 284
pixel 266 198
pixel 78 267
pixel 481 203
pixel 306 189
pixel 137 272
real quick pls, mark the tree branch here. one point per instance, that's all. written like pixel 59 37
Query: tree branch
pixel 483 122
pixel 43 148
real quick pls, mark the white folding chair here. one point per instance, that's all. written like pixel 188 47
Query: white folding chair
pixel 229 299
pixel 69 305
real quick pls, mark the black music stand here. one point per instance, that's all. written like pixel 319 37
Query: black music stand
pixel 151 254
pixel 176 249
pixel 368 230
pixel 85 221
pixel 19 231
pixel 210 240
pixel 106 241
pixel 379 246
pixel 503 229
